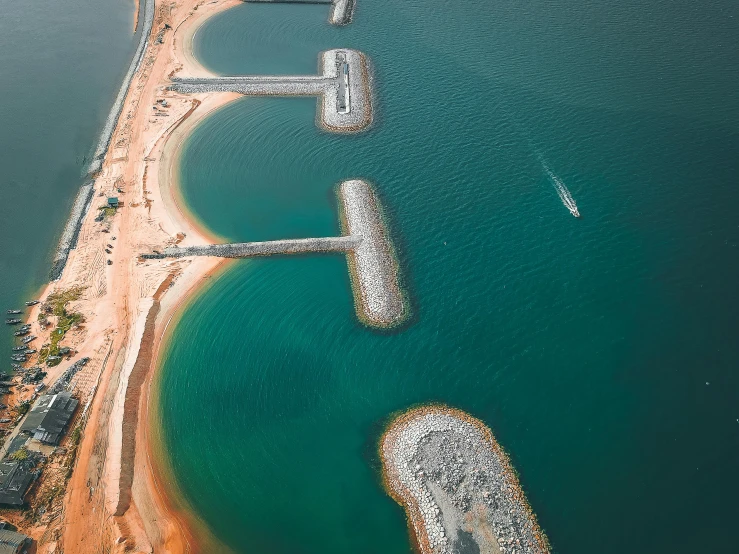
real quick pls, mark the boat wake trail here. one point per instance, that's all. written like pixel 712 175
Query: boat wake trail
pixel 562 191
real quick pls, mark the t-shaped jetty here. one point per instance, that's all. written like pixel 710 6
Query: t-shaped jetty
pixel 343 88
pixel 373 267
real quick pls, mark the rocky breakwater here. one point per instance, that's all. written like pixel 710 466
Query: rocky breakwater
pixel 343 107
pixel 341 12
pixel 373 267
pixel 71 230
pixel 457 485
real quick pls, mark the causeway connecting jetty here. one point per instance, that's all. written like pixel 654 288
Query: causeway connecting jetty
pixel 343 88
pixel 457 485
pixel 373 267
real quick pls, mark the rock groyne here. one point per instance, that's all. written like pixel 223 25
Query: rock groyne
pixel 373 269
pixel 343 88
pixel 457 485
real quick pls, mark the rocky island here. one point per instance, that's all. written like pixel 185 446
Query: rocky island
pixel 457 485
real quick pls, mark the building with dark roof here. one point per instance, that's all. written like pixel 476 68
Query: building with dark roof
pixel 15 478
pixel 49 417
pixel 12 542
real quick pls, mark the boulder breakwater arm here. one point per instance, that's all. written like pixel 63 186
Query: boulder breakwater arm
pixel 457 485
pixel 343 88
pixel 341 12
pixel 373 269
pixel 372 264
pixel 115 111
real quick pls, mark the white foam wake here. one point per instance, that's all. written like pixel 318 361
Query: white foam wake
pixel 562 191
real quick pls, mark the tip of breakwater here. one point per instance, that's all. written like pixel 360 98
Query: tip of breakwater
pixel 373 265
pixel 457 485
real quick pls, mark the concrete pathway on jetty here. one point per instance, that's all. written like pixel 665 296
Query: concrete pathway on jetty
pixel 373 268
pixel 343 88
pixel 341 10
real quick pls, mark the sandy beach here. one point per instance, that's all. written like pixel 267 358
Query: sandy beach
pixel 118 499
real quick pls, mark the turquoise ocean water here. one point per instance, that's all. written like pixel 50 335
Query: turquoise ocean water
pixel 602 352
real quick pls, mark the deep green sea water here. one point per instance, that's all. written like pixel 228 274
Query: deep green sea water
pixel 61 64
pixel 602 352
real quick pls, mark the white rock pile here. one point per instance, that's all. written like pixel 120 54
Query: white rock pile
pixel 446 469
pixel 372 263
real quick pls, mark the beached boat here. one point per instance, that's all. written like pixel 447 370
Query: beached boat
pixel 32 303
pixel 19 348
pixel 28 339
pixel 19 358
pixel 21 332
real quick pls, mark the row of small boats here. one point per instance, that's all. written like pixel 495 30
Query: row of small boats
pixel 15 320
pixel 21 353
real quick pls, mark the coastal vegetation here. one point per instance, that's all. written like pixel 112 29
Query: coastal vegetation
pixel 20 455
pixel 55 307
pixel 22 408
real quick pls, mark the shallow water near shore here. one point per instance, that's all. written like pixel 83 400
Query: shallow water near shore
pixel 601 351
pixel 61 64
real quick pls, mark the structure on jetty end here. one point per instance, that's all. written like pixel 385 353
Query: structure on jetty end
pixel 373 268
pixel 343 88
pixel 457 485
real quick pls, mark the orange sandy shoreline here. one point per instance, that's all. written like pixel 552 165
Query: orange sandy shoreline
pixel 121 496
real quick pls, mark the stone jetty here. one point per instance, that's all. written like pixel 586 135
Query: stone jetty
pixel 457 485
pixel 372 263
pixel 343 88
pixel 373 268
pixel 341 10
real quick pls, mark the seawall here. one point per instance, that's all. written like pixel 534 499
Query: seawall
pixel 115 111
pixel 71 230
pixel 81 203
